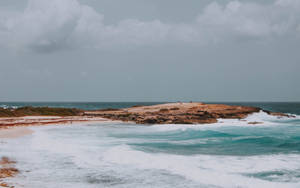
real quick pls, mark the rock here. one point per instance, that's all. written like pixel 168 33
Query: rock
pixel 279 114
pixel 255 122
pixel 149 121
pixel 176 113
pixel 7 170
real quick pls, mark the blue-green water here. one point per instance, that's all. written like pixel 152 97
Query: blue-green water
pixel 230 153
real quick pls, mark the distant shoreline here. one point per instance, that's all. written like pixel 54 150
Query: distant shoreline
pixel 168 113
pixel 8 123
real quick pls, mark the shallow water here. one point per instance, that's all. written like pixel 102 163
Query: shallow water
pixel 230 153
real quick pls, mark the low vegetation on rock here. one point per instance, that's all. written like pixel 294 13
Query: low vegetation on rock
pixel 39 111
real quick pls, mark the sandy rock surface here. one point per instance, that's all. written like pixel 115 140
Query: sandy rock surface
pixel 176 113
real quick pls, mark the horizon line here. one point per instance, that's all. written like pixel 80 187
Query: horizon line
pixel 149 101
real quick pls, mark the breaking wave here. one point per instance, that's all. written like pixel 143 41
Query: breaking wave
pixel 230 153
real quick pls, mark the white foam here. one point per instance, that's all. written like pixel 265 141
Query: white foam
pixel 6 106
pixel 89 152
pixel 223 171
pixel 81 154
pixel 261 118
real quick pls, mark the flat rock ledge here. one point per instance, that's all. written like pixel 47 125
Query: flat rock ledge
pixel 178 113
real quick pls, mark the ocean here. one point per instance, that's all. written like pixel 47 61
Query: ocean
pixel 227 154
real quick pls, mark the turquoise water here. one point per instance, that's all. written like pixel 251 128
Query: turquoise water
pixel 230 153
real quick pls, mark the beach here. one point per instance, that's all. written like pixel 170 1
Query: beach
pixel 16 127
pixel 15 132
pixel 96 152
pixel 7 168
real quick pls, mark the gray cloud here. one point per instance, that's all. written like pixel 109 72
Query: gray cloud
pixel 46 26
pixel 252 20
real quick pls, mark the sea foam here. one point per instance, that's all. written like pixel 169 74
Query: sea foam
pixel 230 153
pixel 220 171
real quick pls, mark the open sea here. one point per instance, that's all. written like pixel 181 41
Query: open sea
pixel 227 154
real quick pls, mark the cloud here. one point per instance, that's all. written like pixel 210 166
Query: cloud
pixel 46 26
pixel 251 20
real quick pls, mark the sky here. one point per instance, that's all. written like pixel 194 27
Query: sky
pixel 141 50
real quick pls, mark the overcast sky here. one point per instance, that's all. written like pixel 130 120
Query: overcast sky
pixel 149 50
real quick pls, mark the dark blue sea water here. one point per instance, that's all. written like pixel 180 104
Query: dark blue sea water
pixel 230 153
pixel 81 105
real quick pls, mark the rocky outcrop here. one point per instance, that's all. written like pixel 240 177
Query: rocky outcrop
pixel 7 170
pixel 278 114
pixel 170 113
pixel 176 113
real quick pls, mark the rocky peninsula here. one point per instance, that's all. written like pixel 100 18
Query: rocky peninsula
pixel 178 113
pixel 169 113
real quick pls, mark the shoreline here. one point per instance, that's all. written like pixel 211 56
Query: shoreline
pixel 19 127
pixel 15 132
pixel 191 113
pixel 168 113
pixel 7 122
